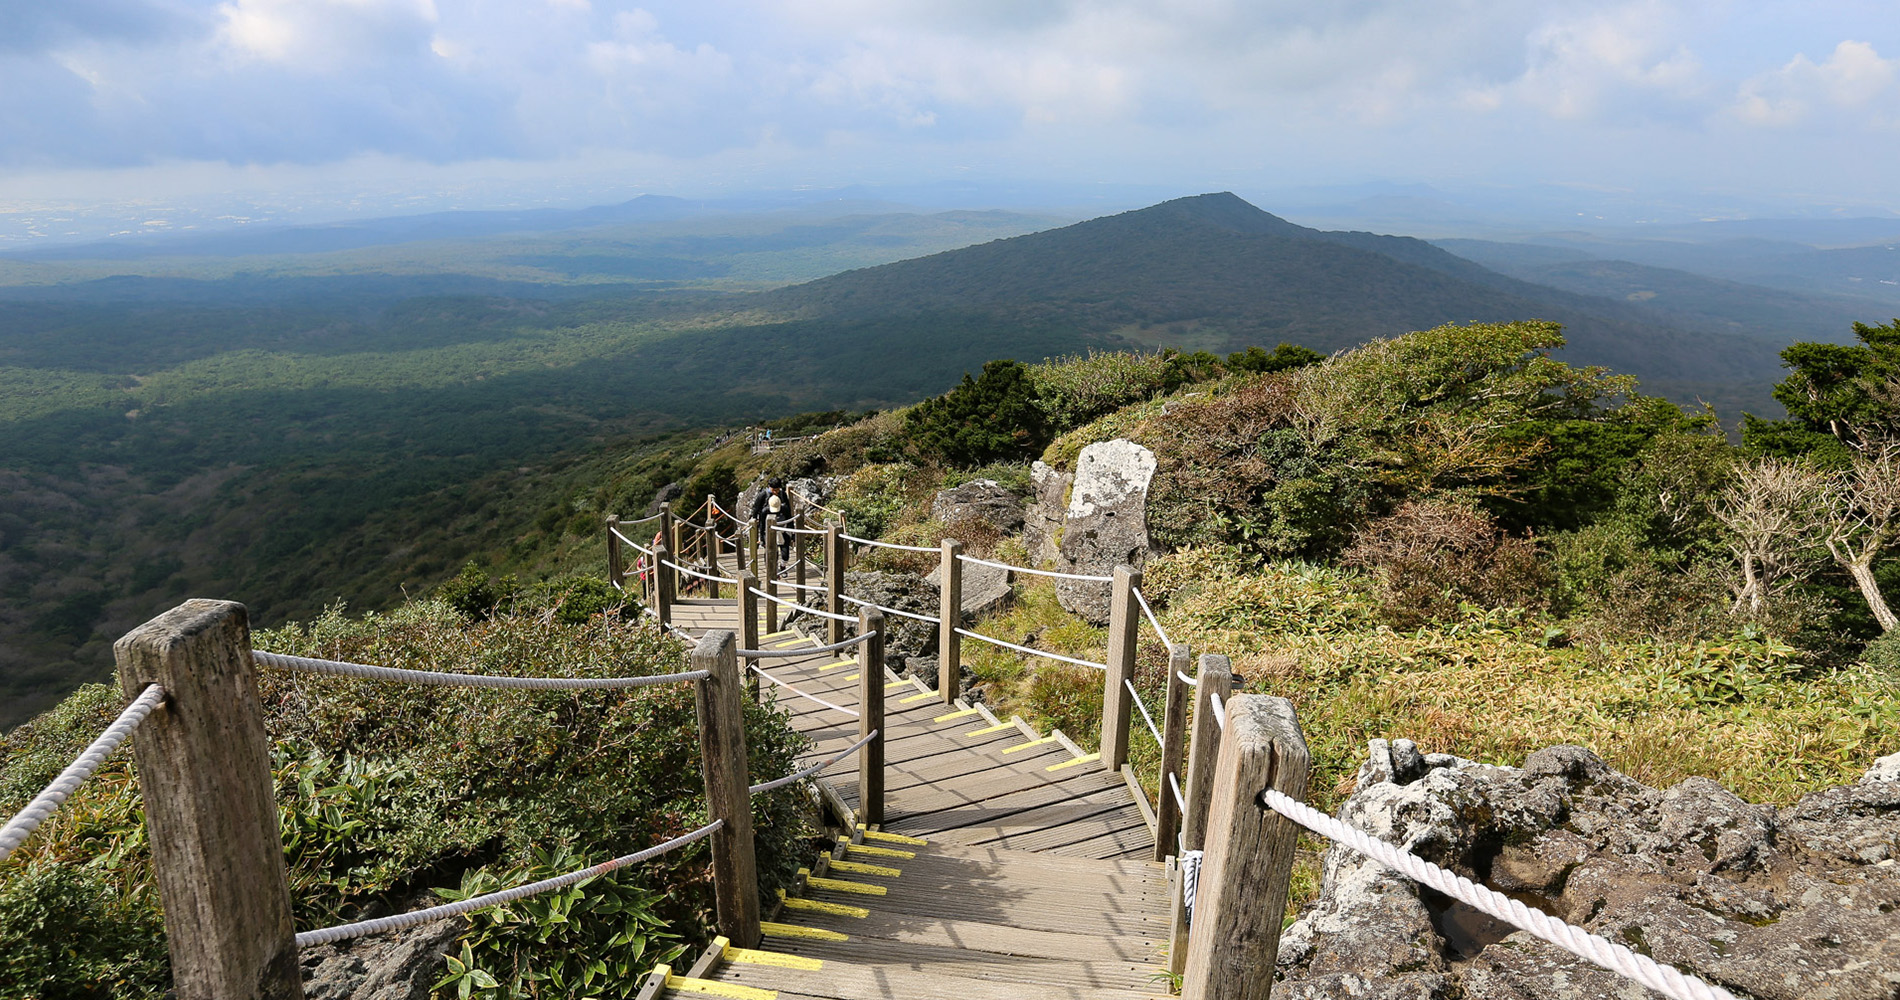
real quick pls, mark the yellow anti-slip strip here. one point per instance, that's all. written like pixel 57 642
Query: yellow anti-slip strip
pixel 1084 759
pixel 917 697
pixel 710 988
pixel 1032 743
pixel 955 715
pixel 778 959
pixel 986 730
pixel 894 838
pixel 783 631
pixel 790 643
pixel 860 868
pixel 795 931
pixel 829 909
pixel 840 663
pixel 876 852
pixel 839 885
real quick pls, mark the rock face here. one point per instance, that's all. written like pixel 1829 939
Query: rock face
pixel 904 638
pixel 396 966
pixel 984 501
pixel 1106 522
pixel 1042 520
pixel 1800 902
pixel 985 588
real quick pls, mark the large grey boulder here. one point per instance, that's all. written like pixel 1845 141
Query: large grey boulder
pixel 1043 518
pixel 1800 902
pixel 985 588
pixel 904 638
pixel 397 966
pixel 1106 523
pixel 983 501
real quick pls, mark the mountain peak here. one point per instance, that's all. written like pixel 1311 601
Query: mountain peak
pixel 1225 210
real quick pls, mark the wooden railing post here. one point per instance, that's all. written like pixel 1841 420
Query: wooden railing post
pixel 752 546
pixel 834 582
pixel 1215 677
pixel 616 562
pixel 722 763
pixel 662 586
pixel 1173 751
pixel 1124 619
pixel 871 716
pixel 210 812
pixel 710 536
pixel 748 605
pixel 670 539
pixel 950 609
pixel 798 555
pixel 771 571
pixel 1241 900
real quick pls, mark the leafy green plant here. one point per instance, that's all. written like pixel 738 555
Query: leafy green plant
pixel 984 419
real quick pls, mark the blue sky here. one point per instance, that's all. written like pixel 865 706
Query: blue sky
pixel 371 105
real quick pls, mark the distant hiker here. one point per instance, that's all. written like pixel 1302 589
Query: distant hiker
pixel 774 506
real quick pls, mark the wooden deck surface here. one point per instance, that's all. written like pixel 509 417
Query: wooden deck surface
pixel 1031 881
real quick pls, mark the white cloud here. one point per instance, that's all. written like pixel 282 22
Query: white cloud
pixel 1853 81
pixel 323 33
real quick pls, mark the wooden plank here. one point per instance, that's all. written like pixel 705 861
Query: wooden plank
pixel 977 936
pixel 841 980
pixel 1024 970
pixel 723 768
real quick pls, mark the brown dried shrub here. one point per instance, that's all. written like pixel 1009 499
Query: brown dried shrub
pixel 1430 555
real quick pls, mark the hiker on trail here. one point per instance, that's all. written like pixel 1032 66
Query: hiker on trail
pixel 773 504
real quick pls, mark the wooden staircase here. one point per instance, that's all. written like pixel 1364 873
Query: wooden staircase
pixel 1010 865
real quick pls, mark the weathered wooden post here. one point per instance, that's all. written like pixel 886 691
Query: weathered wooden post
pixel 871 716
pixel 722 763
pixel 616 564
pixel 662 587
pixel 1173 750
pixel 771 572
pixel 752 545
pixel 1215 678
pixel 1124 621
pixel 210 813
pixel 748 604
pixel 798 555
pixel 834 582
pixel 669 538
pixel 1241 900
pixel 950 609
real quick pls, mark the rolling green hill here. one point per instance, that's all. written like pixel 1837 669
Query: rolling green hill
pixel 322 430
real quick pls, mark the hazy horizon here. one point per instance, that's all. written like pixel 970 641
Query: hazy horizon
pixel 129 116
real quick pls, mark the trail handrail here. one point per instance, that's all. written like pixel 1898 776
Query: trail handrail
pixel 48 801
pixel 806 695
pixel 820 612
pixel 1084 577
pixel 804 773
pixel 1045 654
pixel 383 925
pixel 433 678
pixel 932 549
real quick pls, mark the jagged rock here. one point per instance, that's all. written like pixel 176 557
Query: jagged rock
pixel 984 501
pixel 662 497
pixel 1106 523
pixel 1885 769
pixel 903 637
pixel 396 966
pixel 1042 520
pixel 985 588
pixel 1795 903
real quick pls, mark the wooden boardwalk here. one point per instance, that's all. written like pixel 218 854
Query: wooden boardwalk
pixel 1009 865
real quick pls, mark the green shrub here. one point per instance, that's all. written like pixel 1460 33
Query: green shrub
pixel 1283 357
pixel 1883 653
pixel 68 933
pixel 985 419
pixel 474 594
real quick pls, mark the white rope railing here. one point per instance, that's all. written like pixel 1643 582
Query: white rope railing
pixel 1145 717
pixel 802 650
pixel 1220 712
pixel 815 768
pixel 890 611
pixel 889 545
pixel 1045 654
pixel 1037 572
pixel 1579 942
pixel 643 520
pixel 1152 620
pixel 820 612
pixel 702 576
pixel 802 586
pixel 1189 681
pixel 643 549
pixel 340 668
pixel 47 802
pixel 1180 801
pixel 800 531
pixel 383 925
pixel 808 697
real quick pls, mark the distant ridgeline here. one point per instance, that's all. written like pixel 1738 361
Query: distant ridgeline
pixel 305 441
